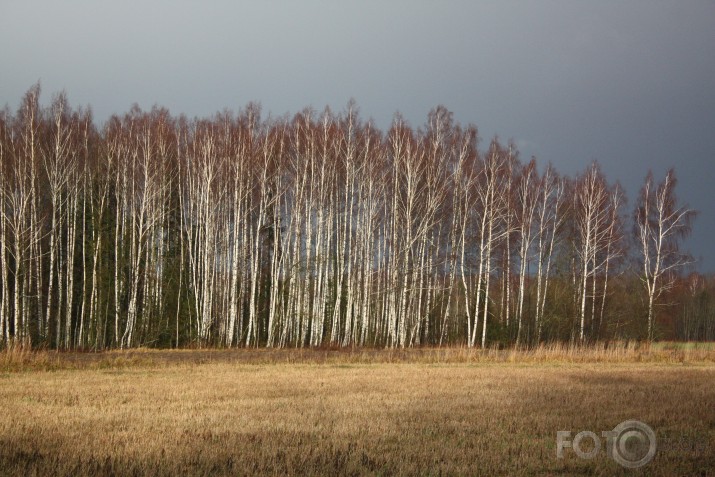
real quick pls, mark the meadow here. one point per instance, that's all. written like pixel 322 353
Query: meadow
pixel 448 411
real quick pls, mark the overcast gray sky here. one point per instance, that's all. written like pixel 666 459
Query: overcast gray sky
pixel 629 83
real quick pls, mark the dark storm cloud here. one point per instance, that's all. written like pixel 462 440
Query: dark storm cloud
pixel 628 83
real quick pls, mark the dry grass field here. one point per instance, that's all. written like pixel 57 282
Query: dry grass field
pixel 352 412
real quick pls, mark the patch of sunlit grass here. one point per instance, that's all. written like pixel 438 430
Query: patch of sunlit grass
pixel 417 412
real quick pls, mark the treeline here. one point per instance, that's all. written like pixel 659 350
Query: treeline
pixel 320 230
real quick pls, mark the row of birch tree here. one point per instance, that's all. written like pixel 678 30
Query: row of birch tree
pixel 312 230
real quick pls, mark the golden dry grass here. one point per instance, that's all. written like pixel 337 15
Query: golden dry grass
pixel 346 413
pixel 17 359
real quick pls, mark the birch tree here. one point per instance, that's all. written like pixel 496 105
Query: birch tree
pixel 660 225
pixel 5 194
pixel 493 212
pixel 527 193
pixel 550 216
pixel 596 208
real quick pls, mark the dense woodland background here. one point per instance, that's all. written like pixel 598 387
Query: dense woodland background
pixel 320 230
